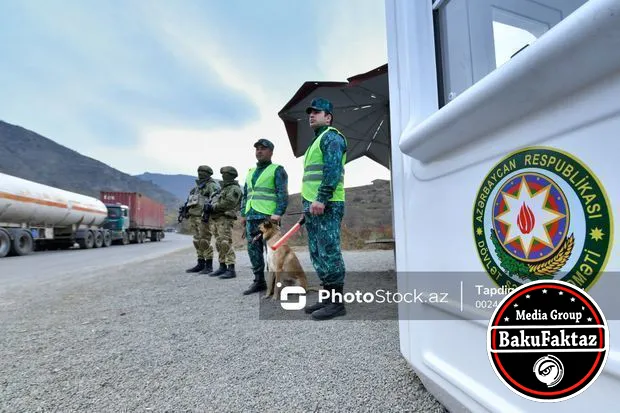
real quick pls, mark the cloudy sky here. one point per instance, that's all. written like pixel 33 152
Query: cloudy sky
pixel 163 86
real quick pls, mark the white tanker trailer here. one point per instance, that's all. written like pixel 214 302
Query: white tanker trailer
pixel 36 216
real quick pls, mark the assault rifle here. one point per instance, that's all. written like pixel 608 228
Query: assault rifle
pixel 183 212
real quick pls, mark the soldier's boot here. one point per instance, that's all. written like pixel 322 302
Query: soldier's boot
pixel 219 271
pixel 208 266
pixel 199 267
pixel 334 308
pixel 318 305
pixel 230 272
pixel 259 284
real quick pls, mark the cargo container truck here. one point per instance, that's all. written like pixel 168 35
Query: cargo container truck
pixel 132 217
pixel 34 216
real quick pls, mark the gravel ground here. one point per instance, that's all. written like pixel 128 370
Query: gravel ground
pixel 148 337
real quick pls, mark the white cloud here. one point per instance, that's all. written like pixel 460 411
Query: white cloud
pixel 355 43
pixel 360 33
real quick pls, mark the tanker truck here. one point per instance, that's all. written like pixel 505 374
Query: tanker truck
pixel 34 216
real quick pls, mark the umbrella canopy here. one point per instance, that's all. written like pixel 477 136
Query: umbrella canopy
pixel 361 113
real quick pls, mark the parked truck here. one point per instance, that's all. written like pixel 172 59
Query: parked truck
pixel 132 217
pixel 34 216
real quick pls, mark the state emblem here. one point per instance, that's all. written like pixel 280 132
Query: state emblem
pixel 541 214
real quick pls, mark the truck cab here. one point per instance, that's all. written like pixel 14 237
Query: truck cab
pixel 481 92
pixel 117 222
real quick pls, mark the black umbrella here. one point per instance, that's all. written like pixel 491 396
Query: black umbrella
pixel 361 113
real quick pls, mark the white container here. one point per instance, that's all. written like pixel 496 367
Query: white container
pixel 559 93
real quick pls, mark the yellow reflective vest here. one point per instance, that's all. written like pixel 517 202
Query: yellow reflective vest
pixel 313 170
pixel 262 196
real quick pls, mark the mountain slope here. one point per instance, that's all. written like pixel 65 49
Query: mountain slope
pixel 28 155
pixel 25 154
pixel 178 185
pixel 367 218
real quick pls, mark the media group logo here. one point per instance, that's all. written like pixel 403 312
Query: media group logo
pixel 548 341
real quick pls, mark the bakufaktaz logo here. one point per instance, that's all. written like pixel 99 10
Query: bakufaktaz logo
pixel 548 341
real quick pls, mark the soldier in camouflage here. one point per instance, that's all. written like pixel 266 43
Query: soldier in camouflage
pixel 323 199
pixel 265 196
pixel 223 212
pixel 205 189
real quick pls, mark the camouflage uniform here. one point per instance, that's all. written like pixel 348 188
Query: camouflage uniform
pixel 206 188
pixel 324 230
pixel 224 211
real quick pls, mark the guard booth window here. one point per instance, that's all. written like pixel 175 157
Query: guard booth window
pixel 475 37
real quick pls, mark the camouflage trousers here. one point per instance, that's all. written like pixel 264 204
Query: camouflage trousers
pixel 324 243
pixel 202 238
pixel 222 231
pixel 255 251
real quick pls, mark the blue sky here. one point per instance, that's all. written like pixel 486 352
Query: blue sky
pixel 164 86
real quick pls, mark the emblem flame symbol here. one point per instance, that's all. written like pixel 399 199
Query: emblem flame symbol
pixel 526 219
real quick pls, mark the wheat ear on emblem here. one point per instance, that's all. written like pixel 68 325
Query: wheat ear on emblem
pixel 555 262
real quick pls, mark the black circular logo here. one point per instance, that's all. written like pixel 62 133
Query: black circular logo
pixel 548 340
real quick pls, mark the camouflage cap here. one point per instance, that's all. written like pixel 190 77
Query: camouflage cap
pixel 229 170
pixel 264 142
pixel 205 168
pixel 321 104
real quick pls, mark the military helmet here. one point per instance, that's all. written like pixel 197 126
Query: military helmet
pixel 205 168
pixel 229 170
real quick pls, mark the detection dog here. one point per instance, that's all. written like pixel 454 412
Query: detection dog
pixel 284 266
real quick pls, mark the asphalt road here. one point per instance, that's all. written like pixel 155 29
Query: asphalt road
pixel 44 266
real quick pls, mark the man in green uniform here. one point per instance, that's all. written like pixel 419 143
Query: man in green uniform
pixel 206 187
pixel 265 196
pixel 222 213
pixel 323 197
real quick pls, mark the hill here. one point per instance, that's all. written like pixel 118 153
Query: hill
pixel 367 218
pixel 28 155
pixel 368 212
pixel 177 185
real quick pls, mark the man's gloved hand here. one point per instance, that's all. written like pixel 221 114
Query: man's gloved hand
pixel 206 211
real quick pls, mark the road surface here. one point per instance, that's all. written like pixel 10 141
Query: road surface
pixel 43 266
pixel 145 336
